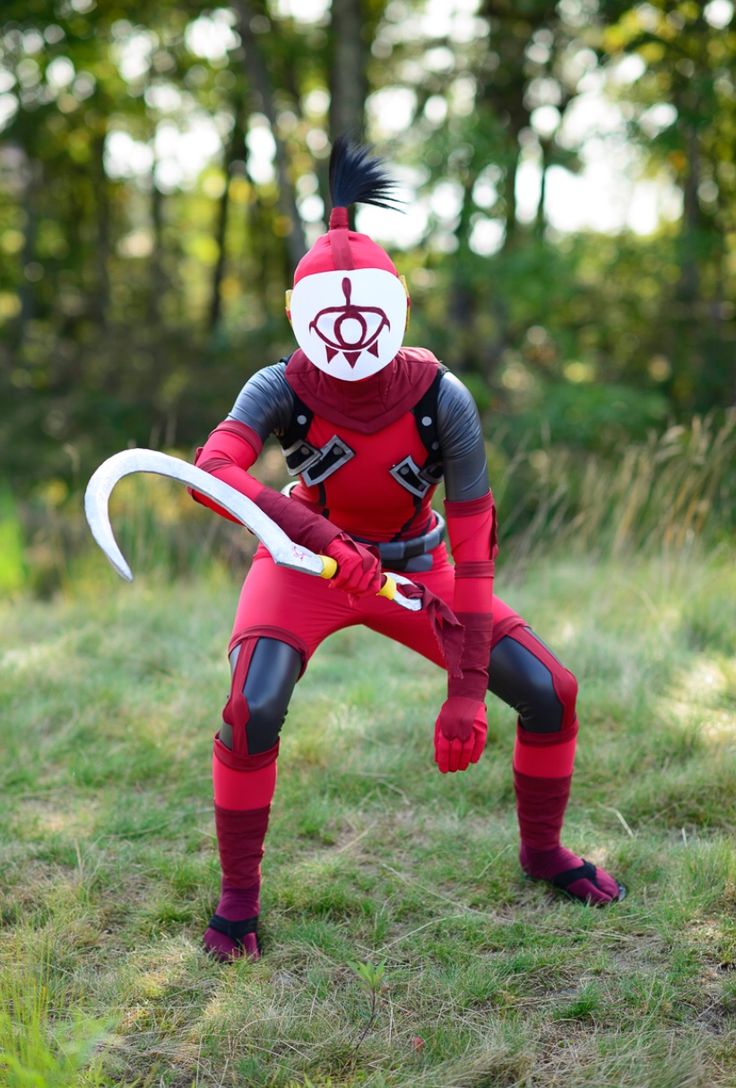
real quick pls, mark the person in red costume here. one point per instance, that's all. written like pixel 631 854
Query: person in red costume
pixel 369 428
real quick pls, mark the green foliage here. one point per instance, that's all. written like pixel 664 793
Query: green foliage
pixel 594 417
pixel 370 974
pixel 13 571
pixel 665 495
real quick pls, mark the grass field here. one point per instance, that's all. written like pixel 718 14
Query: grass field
pixel 402 946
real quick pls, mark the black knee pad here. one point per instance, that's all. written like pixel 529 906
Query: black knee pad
pixel 539 688
pixel 264 672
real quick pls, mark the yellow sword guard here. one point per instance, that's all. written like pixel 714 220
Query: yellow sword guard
pixel 388 589
pixel 329 567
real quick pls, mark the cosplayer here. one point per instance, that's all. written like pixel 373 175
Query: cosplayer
pixel 369 428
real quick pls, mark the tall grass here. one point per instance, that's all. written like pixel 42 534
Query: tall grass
pixel 669 493
pixel 42 1043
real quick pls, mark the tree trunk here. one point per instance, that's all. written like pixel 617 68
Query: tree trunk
pixel 33 173
pixel 348 82
pixel 517 120
pixel 254 273
pixel 540 221
pixel 687 339
pixel 259 78
pixel 156 281
pixel 691 219
pixel 461 307
pixel 101 290
pixel 233 149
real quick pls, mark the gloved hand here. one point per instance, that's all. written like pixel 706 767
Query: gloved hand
pixel 358 568
pixel 460 733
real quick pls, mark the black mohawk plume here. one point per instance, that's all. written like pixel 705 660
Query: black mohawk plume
pixel 358 177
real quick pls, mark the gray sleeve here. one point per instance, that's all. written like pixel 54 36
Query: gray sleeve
pixel 265 402
pixel 461 441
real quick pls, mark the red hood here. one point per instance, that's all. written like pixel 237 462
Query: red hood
pixel 368 405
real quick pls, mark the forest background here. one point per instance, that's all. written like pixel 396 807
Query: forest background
pixel 569 238
pixel 570 242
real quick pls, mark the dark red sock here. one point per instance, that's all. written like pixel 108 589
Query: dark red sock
pixel 541 804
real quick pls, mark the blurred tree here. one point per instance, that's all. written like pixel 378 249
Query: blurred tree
pixel 253 22
pixel 685 121
pixel 348 48
pixel 163 168
pixel 493 100
pixel 234 151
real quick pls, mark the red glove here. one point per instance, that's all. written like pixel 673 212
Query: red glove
pixel 461 729
pixel 460 733
pixel 358 569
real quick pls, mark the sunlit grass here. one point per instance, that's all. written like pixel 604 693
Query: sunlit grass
pixel 44 1043
pixel 107 702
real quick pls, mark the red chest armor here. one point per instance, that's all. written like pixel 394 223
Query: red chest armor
pixel 376 486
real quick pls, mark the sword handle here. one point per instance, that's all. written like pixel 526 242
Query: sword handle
pixel 387 590
pixel 390 589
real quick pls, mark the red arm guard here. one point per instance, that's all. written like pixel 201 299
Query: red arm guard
pixel 227 454
pixel 471 527
pixel 230 449
pixel 461 729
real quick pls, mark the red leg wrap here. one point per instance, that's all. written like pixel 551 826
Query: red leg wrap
pixel 240 838
pixel 543 764
pixel 541 804
pixel 542 777
pixel 242 807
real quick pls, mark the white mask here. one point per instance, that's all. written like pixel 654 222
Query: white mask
pixel 349 323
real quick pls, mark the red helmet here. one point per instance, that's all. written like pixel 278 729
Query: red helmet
pixel 349 306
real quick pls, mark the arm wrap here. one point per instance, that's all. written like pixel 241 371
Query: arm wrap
pixel 472 531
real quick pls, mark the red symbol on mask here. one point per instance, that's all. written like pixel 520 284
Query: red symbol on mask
pixel 351 331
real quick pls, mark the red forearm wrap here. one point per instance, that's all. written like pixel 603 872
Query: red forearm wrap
pixel 228 452
pixel 475 568
pixel 471 528
pixel 473 681
pixel 230 449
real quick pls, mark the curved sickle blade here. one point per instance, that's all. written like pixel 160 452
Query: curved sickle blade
pixel 97 496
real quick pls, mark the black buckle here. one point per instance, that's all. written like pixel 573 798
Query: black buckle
pixel 409 475
pixel 300 456
pixel 333 455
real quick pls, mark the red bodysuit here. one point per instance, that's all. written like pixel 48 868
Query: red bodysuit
pixel 369 455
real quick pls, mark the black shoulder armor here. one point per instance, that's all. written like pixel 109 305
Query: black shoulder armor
pixel 461 441
pixel 265 402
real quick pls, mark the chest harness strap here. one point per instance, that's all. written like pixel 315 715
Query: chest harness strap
pixel 315 465
pixel 417 479
pixel 304 459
